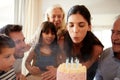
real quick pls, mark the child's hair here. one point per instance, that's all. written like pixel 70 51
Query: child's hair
pixel 6 42
pixel 45 27
pixel 50 9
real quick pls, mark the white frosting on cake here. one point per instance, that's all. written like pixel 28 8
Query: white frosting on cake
pixel 71 71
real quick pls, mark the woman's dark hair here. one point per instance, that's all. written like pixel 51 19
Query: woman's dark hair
pixel 82 10
pixel 6 42
pixel 46 26
pixel 88 42
pixel 87 46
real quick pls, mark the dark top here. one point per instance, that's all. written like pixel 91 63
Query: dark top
pixel 85 51
pixel 42 61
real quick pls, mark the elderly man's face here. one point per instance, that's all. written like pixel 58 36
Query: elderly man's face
pixel 115 37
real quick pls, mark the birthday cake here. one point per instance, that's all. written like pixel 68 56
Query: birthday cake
pixel 71 71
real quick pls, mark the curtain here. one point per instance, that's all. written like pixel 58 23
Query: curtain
pixel 27 13
pixel 19 12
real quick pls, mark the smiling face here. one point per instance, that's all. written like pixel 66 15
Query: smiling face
pixel 18 38
pixel 48 37
pixel 77 27
pixel 115 37
pixel 7 59
pixel 56 16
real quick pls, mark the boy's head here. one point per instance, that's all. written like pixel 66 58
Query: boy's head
pixel 7 50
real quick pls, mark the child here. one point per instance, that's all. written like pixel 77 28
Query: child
pixel 45 53
pixel 7 50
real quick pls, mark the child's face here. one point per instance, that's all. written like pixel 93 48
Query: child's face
pixel 48 37
pixel 7 59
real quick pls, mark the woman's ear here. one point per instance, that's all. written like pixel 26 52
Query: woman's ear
pixel 89 28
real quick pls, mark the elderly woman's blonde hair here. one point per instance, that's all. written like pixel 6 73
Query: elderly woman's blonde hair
pixel 50 9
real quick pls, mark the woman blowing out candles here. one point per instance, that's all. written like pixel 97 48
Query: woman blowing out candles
pixel 79 42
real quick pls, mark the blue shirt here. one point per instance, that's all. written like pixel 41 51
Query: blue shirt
pixel 109 66
pixel 42 61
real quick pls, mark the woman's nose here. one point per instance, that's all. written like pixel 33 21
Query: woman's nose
pixel 75 29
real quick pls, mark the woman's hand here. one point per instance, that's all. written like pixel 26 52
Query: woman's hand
pixel 34 70
pixel 20 76
pixel 50 74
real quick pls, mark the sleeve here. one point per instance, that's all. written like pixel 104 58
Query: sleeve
pixel 98 75
pixel 117 75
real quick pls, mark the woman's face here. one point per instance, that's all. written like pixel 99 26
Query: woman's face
pixel 56 16
pixel 48 37
pixel 77 27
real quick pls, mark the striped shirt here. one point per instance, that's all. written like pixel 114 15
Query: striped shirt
pixel 10 75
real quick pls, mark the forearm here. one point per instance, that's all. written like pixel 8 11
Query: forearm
pixel 28 66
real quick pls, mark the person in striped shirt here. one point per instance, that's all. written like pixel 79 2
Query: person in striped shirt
pixel 7 50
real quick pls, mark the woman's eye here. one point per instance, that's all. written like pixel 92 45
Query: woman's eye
pixel 81 24
pixel 70 25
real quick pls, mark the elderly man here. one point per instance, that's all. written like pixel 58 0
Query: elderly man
pixel 109 64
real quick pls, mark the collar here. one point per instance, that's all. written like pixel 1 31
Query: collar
pixel 2 72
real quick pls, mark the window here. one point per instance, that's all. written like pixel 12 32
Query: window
pixel 6 12
pixel 105 37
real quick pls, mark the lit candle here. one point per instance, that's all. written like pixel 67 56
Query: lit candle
pixel 67 61
pixel 71 62
pixel 77 62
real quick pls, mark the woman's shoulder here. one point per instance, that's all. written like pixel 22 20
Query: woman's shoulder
pixel 97 51
pixel 98 48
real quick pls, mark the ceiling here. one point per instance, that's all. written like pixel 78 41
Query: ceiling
pixel 95 6
pixel 103 11
pixel 103 6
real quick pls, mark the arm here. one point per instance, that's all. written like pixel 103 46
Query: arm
pixel 20 76
pixel 32 69
pixel 97 52
pixel 98 75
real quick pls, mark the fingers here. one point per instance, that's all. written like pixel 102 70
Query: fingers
pixel 49 67
pixel 47 76
pixel 20 77
pixel 35 70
